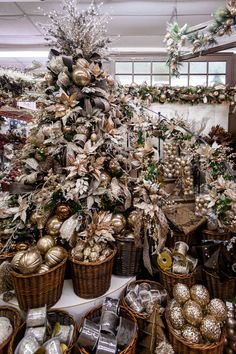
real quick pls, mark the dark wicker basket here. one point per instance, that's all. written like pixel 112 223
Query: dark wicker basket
pixel 36 290
pixel 15 318
pixel 96 313
pixel 128 258
pixel 181 346
pixel 55 315
pixel 169 279
pixel 6 257
pixel 220 234
pixel 178 236
pixel 92 279
pixel 224 290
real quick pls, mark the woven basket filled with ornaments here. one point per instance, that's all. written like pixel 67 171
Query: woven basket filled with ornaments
pixel 195 322
pixel 10 320
pixel 38 276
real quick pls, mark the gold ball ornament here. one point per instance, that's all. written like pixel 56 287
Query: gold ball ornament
pixel 191 334
pixel 176 317
pixel 105 179
pixel 93 137
pixel 53 226
pixel 181 293
pixel 81 76
pixel 45 243
pixel 133 218
pixel 30 261
pixel 118 222
pixel 210 329
pixel 192 312
pixel 200 294
pixel 82 63
pixel 43 269
pixel 218 309
pixel 55 255
pixel 110 80
pixel 63 211
pixel 16 259
pixel 48 78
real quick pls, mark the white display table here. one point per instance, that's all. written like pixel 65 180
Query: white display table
pixel 77 306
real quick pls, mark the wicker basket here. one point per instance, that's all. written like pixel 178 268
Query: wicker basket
pixel 169 279
pixel 96 313
pixel 220 234
pixel 181 346
pixel 145 327
pixel 93 279
pixel 15 318
pixel 36 290
pixel 53 316
pixel 6 257
pixel 128 258
pixel 224 290
pixel 178 236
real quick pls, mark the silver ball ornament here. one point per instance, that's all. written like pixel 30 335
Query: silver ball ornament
pixel 176 317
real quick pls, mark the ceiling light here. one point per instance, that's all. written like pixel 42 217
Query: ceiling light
pixel 24 54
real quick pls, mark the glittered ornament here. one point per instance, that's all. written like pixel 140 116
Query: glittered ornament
pixel 133 218
pixel 45 243
pixel 210 329
pixel 200 294
pixel 118 222
pixel 15 260
pixel 43 269
pixel 105 179
pixel 53 226
pixel 63 211
pixel 191 334
pixel 181 293
pixel 81 76
pixel 55 255
pixel 176 317
pixel 192 312
pixel 218 309
pixel 30 261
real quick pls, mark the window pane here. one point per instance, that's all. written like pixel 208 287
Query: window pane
pixel 142 68
pixel 179 81
pixel 124 79
pixel 216 79
pixel 160 68
pixel 123 67
pixel 183 69
pixel 199 67
pixel 195 80
pixel 140 79
pixel 160 79
pixel 217 67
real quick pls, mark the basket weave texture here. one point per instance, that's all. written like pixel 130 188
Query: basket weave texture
pixel 221 234
pixel 37 290
pixel 128 258
pixel 181 346
pixel 96 313
pixel 92 279
pixel 224 290
pixel 56 315
pixel 178 236
pixel 15 318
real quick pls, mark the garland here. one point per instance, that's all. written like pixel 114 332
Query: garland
pixel 176 37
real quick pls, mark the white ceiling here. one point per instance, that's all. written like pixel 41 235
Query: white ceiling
pixel 139 24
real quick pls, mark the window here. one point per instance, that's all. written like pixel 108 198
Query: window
pixel 206 73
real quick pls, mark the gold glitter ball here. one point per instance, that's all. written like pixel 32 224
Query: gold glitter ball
pixel 191 334
pixel 176 317
pixel 200 294
pixel 181 293
pixel 218 309
pixel 192 312
pixel 210 329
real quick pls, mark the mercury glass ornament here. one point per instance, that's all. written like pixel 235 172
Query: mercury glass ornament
pixel 210 329
pixel 63 211
pixel 81 76
pixel 55 255
pixel 192 312
pixel 191 334
pixel 133 218
pixel 45 243
pixel 181 293
pixel 53 226
pixel 118 222
pixel 218 309
pixel 176 317
pixel 30 261
pixel 15 260
pixel 43 269
pixel 200 294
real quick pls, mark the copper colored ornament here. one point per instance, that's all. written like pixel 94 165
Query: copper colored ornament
pixel 22 246
pixel 34 218
pixel 53 226
pixel 118 222
pixel 82 63
pixel 210 329
pixel 133 218
pixel 45 243
pixel 105 179
pixel 81 76
pixel 30 261
pixel 200 294
pixel 63 211
pixel 218 309
pixel 15 260
pixel 192 312
pixel 181 293
pixel 43 269
pixel 55 255
pixel 191 334
pixel 176 317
